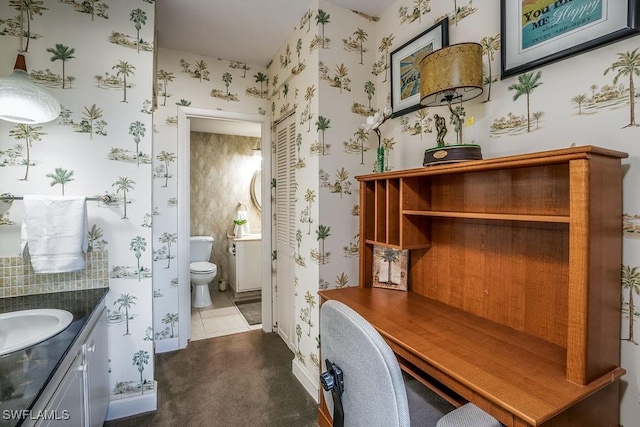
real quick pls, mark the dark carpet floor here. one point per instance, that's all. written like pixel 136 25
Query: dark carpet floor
pixel 237 380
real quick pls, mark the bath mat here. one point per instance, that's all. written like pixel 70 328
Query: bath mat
pixel 251 310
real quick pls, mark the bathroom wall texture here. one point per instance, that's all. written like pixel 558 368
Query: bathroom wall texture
pixel 583 100
pixel 221 170
pixel 17 277
pixel 98 62
pixel 186 79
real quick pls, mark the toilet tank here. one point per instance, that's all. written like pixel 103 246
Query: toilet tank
pixel 200 248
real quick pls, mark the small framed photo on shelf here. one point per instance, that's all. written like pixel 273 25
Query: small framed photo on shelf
pixel 405 67
pixel 390 267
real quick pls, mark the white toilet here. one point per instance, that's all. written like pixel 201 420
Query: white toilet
pixel 202 271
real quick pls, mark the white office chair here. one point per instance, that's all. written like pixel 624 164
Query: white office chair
pixel 366 384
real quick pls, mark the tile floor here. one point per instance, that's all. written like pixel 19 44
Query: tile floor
pixel 222 318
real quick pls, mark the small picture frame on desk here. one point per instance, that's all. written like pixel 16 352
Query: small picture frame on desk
pixel 390 268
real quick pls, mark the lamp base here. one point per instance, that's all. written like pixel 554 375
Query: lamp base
pixel 451 154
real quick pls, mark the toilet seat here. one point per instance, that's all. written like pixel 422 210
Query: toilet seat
pixel 203 267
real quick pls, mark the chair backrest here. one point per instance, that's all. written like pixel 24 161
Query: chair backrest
pixel 374 391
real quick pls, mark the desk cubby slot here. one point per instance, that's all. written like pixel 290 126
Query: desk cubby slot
pixel 381 211
pixel 368 210
pixel 393 212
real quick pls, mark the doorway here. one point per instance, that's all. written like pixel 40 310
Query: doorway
pixel 185 114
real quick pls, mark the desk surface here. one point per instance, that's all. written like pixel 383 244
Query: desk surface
pixel 521 374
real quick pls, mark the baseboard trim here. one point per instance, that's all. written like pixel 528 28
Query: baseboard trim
pixel 310 384
pixel 130 406
pixel 164 346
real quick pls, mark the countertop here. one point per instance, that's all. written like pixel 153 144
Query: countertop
pixel 247 237
pixel 24 374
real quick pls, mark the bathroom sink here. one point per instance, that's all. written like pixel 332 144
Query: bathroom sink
pixel 24 328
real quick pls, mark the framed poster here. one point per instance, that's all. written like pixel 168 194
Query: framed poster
pixel 536 33
pixel 390 267
pixel 405 67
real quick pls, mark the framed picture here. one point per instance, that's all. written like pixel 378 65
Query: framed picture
pixel 536 33
pixel 390 268
pixel 405 67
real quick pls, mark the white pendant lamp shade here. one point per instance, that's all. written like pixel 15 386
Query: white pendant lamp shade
pixel 22 101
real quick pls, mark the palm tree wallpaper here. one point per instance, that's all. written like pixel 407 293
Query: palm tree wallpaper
pixel 162 171
pixel 70 155
pixel 527 83
pixel 94 8
pixel 124 302
pixel 60 176
pixel 627 65
pixel 409 14
pixel 200 69
pixel 91 122
pixel 631 287
pixel 490 46
pixel 123 185
pixel 171 319
pixel 21 24
pixel 28 134
pixel 558 116
pixel 124 69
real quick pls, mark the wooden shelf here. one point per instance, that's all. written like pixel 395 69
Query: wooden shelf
pixel 497 217
pixel 520 256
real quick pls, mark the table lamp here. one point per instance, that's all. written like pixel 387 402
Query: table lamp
pixel 451 75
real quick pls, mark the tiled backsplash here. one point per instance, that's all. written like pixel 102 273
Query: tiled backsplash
pixel 17 277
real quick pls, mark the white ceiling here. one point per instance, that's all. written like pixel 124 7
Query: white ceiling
pixel 248 31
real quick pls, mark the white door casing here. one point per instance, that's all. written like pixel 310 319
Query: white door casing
pixel 184 232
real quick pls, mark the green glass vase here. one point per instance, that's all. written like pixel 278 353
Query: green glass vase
pixel 380 167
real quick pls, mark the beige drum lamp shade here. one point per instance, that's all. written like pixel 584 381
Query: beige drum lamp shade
pixel 453 73
pixel 448 75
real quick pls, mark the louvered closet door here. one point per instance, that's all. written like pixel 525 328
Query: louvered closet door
pixel 285 224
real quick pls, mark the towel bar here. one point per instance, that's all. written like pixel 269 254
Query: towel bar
pixel 9 198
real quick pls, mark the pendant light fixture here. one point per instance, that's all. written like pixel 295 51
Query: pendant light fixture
pixel 23 101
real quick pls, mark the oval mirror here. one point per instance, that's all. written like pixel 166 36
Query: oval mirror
pixel 256 189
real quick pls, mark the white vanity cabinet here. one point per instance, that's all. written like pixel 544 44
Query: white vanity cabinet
pixel 67 406
pixel 96 378
pixel 245 264
pixel 82 396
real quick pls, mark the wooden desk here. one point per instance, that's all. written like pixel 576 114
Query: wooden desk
pixel 519 379
pixel 514 282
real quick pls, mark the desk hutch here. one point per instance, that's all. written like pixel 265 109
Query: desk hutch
pixel 514 282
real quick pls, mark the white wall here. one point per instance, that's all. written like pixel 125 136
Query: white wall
pixel 184 86
pixel 67 145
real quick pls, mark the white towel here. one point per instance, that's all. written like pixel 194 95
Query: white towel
pixel 246 230
pixel 54 231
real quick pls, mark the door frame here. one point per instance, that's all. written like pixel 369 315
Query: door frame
pixel 184 207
